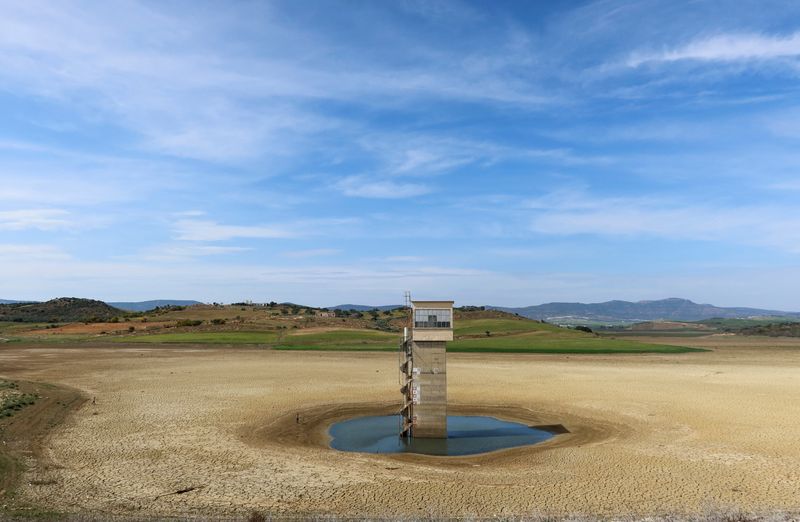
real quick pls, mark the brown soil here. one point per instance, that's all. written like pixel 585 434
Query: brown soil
pixel 96 328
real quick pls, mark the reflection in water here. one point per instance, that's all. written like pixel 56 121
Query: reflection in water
pixel 465 436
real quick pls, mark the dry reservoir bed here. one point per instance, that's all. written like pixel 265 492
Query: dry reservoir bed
pixel 648 434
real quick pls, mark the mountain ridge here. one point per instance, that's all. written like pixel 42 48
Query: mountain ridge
pixel 672 308
pixel 363 308
pixel 144 306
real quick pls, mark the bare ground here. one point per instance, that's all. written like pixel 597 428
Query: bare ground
pixel 210 432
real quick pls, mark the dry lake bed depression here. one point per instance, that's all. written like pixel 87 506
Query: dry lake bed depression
pixel 198 430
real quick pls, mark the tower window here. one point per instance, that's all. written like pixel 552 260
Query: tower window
pixel 432 318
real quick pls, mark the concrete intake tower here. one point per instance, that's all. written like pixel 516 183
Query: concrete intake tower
pixel 423 370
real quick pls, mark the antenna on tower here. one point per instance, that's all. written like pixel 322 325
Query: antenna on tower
pixel 407 298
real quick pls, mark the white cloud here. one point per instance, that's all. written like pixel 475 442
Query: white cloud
pixel 208 230
pixel 183 251
pixel 365 187
pixel 205 230
pixel 38 218
pixel 404 259
pixel 413 155
pixel 726 48
pixel 311 252
pixel 533 252
pixel 23 253
pixel 32 174
pixel 574 212
pixel 790 185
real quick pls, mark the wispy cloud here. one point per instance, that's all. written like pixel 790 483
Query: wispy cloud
pixel 204 230
pixel 790 185
pixel 366 187
pixel 725 48
pixel 24 253
pixel 192 93
pixel 38 218
pixel 208 230
pixel 184 251
pixel 311 252
pixel 569 213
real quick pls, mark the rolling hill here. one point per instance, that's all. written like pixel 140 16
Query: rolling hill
pixel 63 309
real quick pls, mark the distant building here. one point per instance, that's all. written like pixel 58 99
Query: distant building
pixel 324 313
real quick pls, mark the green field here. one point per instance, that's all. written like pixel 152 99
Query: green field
pixel 202 338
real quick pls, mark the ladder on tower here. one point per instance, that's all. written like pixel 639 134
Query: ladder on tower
pixel 407 377
pixel 407 387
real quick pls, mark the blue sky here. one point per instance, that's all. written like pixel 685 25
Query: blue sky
pixel 324 152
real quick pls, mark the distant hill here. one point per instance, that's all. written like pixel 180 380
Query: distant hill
pixel 364 308
pixel 144 306
pixel 9 301
pixel 63 309
pixel 672 309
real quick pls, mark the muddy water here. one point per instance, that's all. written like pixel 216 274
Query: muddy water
pixel 466 435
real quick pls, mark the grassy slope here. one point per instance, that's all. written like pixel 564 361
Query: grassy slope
pixel 339 338
pixel 479 327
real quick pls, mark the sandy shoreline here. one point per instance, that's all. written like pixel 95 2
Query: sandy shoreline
pixel 649 434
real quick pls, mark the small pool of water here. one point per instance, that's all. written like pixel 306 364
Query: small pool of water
pixel 466 435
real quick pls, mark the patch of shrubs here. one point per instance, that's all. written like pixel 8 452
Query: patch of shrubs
pixel 384 326
pixel 15 402
pixel 218 321
pixel 189 322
